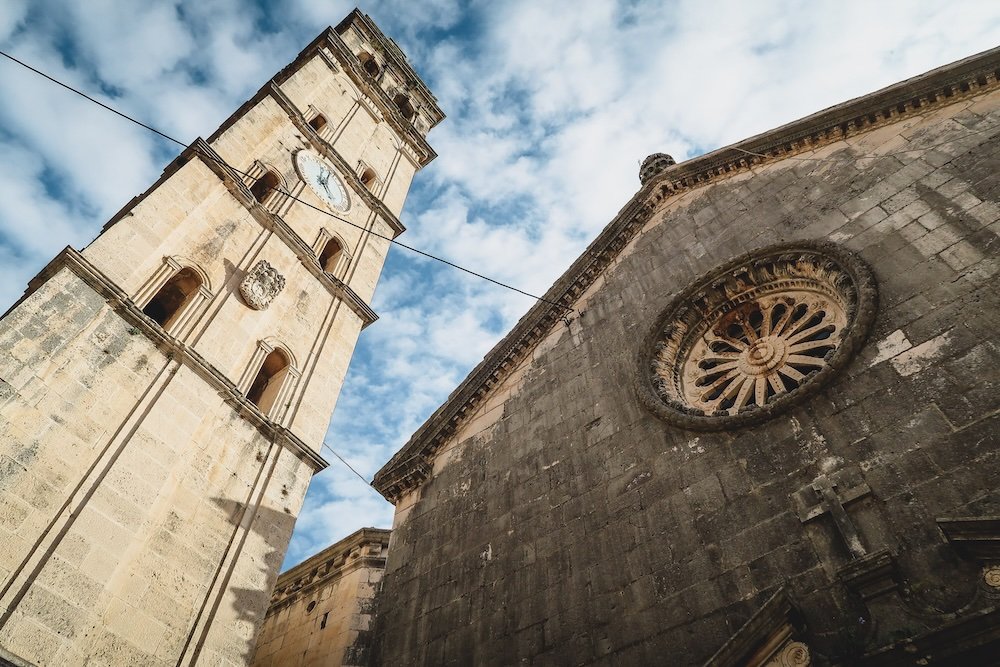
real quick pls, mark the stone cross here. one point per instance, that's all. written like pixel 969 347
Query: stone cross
pixel 834 493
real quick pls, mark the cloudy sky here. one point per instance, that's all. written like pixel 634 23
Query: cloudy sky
pixel 551 106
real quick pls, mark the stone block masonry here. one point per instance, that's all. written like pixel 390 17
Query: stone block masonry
pixel 165 393
pixel 544 516
pixel 322 609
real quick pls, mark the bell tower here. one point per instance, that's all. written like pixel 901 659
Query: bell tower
pixel 164 393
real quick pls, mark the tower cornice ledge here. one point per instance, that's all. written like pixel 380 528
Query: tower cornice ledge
pixel 362 548
pixel 407 468
pixel 176 350
pixel 352 66
pixel 241 192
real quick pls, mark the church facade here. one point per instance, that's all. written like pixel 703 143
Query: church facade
pixel 165 392
pixel 756 425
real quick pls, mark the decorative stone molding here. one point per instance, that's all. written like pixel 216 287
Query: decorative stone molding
pixel 871 576
pixel 756 336
pixel 261 284
pixel 917 95
pixel 771 638
pixel 331 49
pixel 977 540
pixel 182 324
pixel 364 548
pixel 274 223
pixel 177 350
pixel 973 538
pixel 654 165
pixel 792 654
pixel 410 478
pixel 951 83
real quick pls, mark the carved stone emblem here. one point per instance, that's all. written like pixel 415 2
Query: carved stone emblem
pixel 792 654
pixel 755 335
pixel 261 284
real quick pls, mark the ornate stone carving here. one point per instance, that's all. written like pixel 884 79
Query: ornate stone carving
pixel 654 165
pixel 261 284
pixel 757 335
pixel 991 576
pixel 792 654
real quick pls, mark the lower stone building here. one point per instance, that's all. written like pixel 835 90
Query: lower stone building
pixel 755 423
pixel 321 610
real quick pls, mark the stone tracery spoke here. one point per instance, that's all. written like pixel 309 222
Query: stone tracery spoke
pixel 805 360
pixel 790 372
pixel 744 394
pixel 806 333
pixel 783 320
pixel 811 345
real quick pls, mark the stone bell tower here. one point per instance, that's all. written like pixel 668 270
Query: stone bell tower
pixel 164 393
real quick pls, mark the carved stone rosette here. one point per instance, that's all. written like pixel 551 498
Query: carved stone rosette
pixel 757 335
pixel 261 284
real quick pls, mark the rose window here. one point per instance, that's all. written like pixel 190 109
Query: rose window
pixel 756 333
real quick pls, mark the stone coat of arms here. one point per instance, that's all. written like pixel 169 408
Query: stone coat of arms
pixel 261 284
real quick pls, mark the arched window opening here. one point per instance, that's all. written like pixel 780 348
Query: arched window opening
pixel 173 296
pixel 330 256
pixel 404 106
pixel 318 123
pixel 368 63
pixel 368 177
pixel 265 186
pixel 268 382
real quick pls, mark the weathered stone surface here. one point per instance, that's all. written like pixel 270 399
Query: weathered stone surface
pixel 563 524
pixel 322 609
pixel 157 437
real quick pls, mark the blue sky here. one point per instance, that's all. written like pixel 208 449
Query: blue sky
pixel 551 108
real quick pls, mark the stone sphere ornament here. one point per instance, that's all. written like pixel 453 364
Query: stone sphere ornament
pixel 757 335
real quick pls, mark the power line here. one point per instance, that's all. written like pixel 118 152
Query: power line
pixel 349 466
pixel 284 192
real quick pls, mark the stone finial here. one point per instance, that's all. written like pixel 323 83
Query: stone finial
pixel 654 165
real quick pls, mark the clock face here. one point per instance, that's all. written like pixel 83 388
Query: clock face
pixel 323 180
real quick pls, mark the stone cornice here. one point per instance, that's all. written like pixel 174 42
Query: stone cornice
pixel 374 92
pixel 238 188
pixel 352 66
pixel 331 154
pixel 931 90
pixel 394 55
pixel 363 548
pixel 773 623
pixel 175 350
pixel 234 183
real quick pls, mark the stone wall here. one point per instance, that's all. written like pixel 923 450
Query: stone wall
pixel 322 609
pixel 564 524
pixel 127 489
